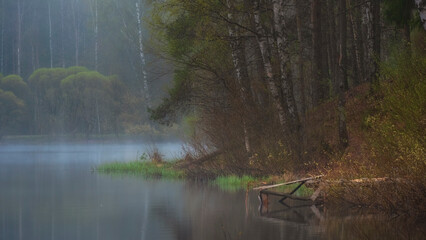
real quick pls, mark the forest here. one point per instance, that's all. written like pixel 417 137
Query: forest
pixel 263 90
pixel 77 67
pixel 332 87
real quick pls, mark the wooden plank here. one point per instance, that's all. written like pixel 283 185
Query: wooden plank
pixel 316 193
pixel 287 183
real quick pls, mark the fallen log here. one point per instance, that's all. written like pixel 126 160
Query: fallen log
pixel 288 183
pixel 201 160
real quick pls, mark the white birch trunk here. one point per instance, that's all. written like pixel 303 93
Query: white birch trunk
pixel 62 35
pixel 242 77
pixel 19 30
pixel 76 31
pixel 96 35
pixel 269 76
pixel 142 58
pixel 285 65
pixel 421 7
pixel 50 35
pixel 2 37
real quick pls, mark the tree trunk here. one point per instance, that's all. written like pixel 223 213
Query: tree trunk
pixel 343 133
pixel 376 40
pixel 354 47
pixel 319 84
pixel 260 92
pixel 269 76
pixel 359 44
pixel 62 35
pixel 96 35
pixel 242 77
pixel 76 31
pixel 300 58
pixel 142 58
pixel 421 7
pixel 316 51
pixel 285 66
pixel 332 49
pixel 367 20
pixel 19 39
pixel 2 37
pixel 50 35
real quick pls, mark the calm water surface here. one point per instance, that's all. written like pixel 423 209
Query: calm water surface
pixel 50 192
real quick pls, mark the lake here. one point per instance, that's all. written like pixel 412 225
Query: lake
pixel 49 191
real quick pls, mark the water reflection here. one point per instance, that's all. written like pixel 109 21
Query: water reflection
pixel 49 192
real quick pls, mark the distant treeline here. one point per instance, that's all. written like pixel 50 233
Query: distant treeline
pixel 254 75
pixel 68 101
pixel 108 36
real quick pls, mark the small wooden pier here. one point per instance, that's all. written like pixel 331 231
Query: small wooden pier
pixel 265 192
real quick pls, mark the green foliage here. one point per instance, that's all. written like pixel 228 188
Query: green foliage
pixel 180 35
pixel 147 169
pixel 178 99
pixel 77 100
pixel 15 84
pixel 234 183
pixel 48 97
pixel 11 111
pixel 85 101
pixel 303 191
pixel 398 11
pixel 398 137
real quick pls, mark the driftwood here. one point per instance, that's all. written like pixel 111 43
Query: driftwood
pixel 201 160
pixel 206 157
pixel 264 193
pixel 288 183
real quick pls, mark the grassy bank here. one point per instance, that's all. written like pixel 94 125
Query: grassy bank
pixel 168 170
pixel 236 183
pixel 147 169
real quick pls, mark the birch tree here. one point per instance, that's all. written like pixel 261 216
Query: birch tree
pixel 142 58
pixel 285 65
pixel 50 34
pixel 19 36
pixel 343 132
pixel 269 76
pixel 421 7
pixel 241 74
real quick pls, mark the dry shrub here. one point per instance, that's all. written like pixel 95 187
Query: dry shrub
pixel 392 143
pixel 219 148
pixel 155 156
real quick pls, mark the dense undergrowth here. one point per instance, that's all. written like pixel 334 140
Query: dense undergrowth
pixel 386 125
pixel 388 142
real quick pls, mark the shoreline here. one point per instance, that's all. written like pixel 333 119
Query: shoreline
pixel 81 138
pixel 336 193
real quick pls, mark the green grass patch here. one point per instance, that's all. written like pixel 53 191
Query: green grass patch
pixel 234 183
pixel 303 191
pixel 147 169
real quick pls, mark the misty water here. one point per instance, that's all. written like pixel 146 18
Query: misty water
pixel 49 191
